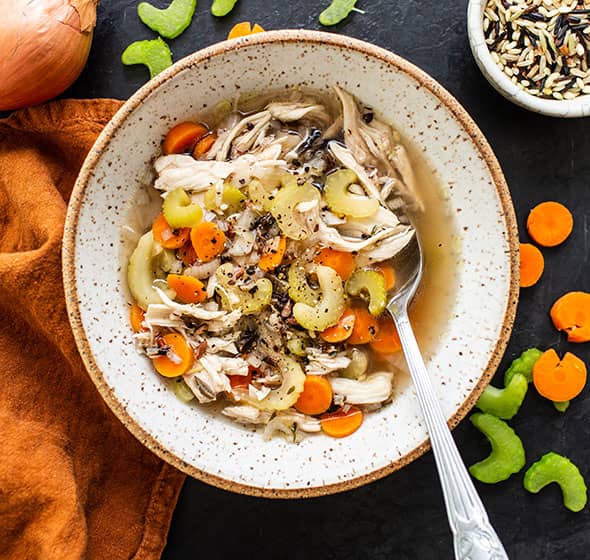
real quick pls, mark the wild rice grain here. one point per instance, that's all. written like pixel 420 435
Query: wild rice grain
pixel 539 43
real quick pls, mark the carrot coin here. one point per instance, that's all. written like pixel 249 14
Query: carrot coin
pixel 532 264
pixel 188 289
pixel 559 380
pixel 340 423
pixel 550 223
pixel 178 359
pixel 183 137
pixel 571 313
pixel 316 397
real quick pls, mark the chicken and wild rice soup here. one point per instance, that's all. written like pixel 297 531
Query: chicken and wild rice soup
pixel 262 283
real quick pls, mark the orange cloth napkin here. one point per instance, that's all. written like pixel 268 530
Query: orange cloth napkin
pixel 74 483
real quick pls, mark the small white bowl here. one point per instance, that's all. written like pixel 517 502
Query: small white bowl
pixel 567 108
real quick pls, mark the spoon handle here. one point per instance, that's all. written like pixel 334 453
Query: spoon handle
pixel 474 537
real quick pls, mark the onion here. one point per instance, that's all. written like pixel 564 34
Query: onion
pixel 44 45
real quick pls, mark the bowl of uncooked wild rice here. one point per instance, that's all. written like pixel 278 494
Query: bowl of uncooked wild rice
pixel 536 53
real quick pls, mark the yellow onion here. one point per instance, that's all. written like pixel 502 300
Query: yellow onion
pixel 44 45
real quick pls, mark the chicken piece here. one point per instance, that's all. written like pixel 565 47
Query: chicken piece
pixel 245 414
pixel 375 388
pixel 321 363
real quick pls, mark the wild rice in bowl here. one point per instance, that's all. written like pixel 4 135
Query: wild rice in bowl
pixel 541 45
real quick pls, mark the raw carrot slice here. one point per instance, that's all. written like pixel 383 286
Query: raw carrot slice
pixel 340 261
pixel 208 241
pixel 187 254
pixel 365 327
pixel 550 223
pixel 188 289
pixel 559 380
pixel 204 145
pixel 166 236
pixel 342 329
pixel 270 260
pixel 340 423
pixel 178 359
pixel 388 275
pixel 136 315
pixel 387 340
pixel 316 397
pixel 571 313
pixel 183 137
pixel 242 29
pixel 532 264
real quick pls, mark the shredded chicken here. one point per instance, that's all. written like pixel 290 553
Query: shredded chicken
pixel 289 422
pixel 374 388
pixel 246 414
pixel 321 363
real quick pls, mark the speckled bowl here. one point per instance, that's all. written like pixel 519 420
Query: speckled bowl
pixel 193 438
pixel 566 108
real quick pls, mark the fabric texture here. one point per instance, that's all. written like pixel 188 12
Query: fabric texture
pixel 74 483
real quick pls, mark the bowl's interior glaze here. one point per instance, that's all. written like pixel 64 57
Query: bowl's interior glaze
pixel 194 438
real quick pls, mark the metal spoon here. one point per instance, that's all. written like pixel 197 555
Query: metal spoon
pixel 473 535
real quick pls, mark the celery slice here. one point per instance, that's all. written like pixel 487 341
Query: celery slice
pixel 178 210
pixel 341 201
pixel 372 283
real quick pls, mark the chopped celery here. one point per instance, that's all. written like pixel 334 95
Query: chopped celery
pixel 561 406
pixel 167 261
pixel 504 403
pixel 179 211
pixel 287 394
pixel 556 468
pixel 507 456
pixel 248 301
pixel 341 201
pixel 299 289
pixel 371 283
pixel 232 199
pixel 297 344
pixel 180 389
pixel 140 272
pixel 285 203
pixel 330 306
pixel 359 362
pixel 260 195
pixel 523 365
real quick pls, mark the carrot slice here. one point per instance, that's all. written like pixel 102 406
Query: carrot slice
pixel 136 315
pixel 183 137
pixel 316 397
pixel 188 289
pixel 178 359
pixel 571 313
pixel 208 241
pixel 166 236
pixel 342 329
pixel 559 380
pixel 270 260
pixel 365 327
pixel 187 254
pixel 341 424
pixel 244 28
pixel 532 264
pixel 204 145
pixel 550 223
pixel 343 263
pixel 388 275
pixel 387 340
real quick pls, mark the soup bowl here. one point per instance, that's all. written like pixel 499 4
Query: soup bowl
pixel 479 316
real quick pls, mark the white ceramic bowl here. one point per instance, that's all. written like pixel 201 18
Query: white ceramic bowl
pixel 203 444
pixel 567 108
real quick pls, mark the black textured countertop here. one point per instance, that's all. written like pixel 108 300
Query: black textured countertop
pixel 402 516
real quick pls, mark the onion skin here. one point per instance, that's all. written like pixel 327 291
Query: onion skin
pixel 44 45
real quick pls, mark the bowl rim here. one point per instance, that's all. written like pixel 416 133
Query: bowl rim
pixel 87 171
pixel 566 108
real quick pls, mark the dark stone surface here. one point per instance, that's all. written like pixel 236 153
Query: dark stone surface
pixel 402 516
